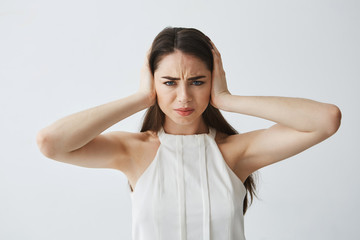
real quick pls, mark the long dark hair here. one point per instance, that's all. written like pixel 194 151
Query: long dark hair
pixel 193 42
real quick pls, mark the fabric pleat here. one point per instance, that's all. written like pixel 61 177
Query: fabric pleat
pixel 204 188
pixel 181 189
pixel 188 192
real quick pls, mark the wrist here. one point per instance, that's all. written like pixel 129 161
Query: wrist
pixel 222 101
pixel 147 99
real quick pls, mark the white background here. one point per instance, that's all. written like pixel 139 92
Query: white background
pixel 61 57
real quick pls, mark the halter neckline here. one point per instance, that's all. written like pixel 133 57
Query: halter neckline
pixel 211 133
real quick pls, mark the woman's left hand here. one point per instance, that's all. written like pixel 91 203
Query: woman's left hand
pixel 219 90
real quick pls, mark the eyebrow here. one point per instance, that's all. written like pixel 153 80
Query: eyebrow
pixel 190 79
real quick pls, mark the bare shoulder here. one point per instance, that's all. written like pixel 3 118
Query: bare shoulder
pixel 142 147
pixel 137 142
pixel 141 141
pixel 231 142
pixel 232 147
pixel 136 136
pixel 256 149
pixel 134 139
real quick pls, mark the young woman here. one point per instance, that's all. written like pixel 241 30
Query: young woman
pixel 189 172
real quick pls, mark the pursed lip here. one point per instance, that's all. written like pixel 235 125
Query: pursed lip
pixel 184 109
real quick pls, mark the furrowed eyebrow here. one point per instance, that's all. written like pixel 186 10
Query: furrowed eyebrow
pixel 189 79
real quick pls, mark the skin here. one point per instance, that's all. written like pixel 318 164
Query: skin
pixel 299 123
pixel 183 93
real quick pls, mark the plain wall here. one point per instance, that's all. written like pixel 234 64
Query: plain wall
pixel 61 57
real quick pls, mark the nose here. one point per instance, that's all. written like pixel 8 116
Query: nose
pixel 183 94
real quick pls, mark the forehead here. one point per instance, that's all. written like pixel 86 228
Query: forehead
pixel 179 61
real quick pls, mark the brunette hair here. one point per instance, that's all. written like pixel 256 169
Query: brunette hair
pixel 190 41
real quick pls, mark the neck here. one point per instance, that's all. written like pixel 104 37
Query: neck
pixel 190 129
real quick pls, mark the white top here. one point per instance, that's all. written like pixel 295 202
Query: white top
pixel 188 192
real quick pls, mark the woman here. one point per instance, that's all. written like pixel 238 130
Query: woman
pixel 190 173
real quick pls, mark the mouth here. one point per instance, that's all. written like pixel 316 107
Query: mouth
pixel 184 111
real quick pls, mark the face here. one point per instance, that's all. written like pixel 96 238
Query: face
pixel 182 82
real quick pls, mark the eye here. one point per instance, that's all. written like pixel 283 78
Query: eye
pixel 198 83
pixel 171 83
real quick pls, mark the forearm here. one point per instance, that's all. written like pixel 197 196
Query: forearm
pixel 297 113
pixel 76 130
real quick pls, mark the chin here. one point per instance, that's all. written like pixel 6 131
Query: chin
pixel 183 120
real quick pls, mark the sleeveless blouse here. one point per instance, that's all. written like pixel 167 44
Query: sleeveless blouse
pixel 188 192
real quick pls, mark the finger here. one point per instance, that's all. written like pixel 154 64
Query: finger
pixel 147 57
pixel 217 55
pixel 215 48
pixel 148 53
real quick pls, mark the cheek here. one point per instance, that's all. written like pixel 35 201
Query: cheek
pixel 158 90
pixel 156 86
pixel 206 93
pixel 163 97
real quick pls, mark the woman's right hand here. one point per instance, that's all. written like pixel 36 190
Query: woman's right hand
pixel 147 85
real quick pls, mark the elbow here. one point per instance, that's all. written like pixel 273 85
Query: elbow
pixel 44 142
pixel 333 120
